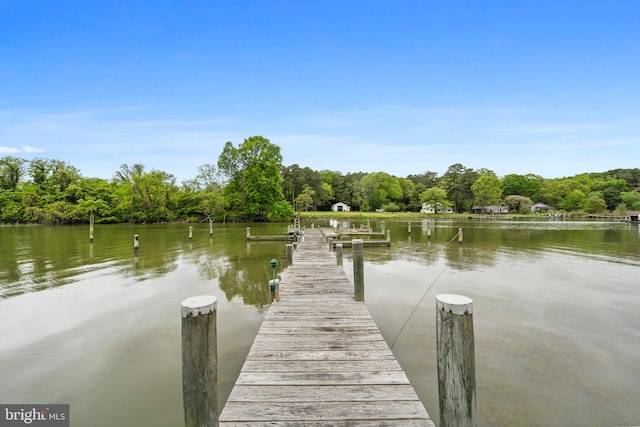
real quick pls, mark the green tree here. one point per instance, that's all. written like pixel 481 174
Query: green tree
pixel 304 201
pixel 595 204
pixel 575 201
pixel 457 181
pixel 11 172
pixel 436 197
pixel 487 190
pixel 520 204
pixel 145 196
pixel 631 199
pixel 612 197
pixel 520 185
pixel 254 190
pixel 379 188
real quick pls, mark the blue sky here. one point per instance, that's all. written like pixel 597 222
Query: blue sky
pixel 544 87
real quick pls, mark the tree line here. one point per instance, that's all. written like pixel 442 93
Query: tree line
pixel 249 183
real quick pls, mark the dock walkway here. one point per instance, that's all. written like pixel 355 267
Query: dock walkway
pixel 319 358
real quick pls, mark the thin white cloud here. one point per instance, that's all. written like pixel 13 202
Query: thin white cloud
pixel 25 149
pixel 8 150
pixel 29 149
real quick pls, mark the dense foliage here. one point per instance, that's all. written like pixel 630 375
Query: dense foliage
pixel 249 183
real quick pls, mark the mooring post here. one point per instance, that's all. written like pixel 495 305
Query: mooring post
pixel 388 235
pixel 429 231
pixel 339 253
pixel 248 232
pixel 273 283
pixel 199 361
pixel 91 228
pixel 289 254
pixel 456 360
pixel 210 227
pixel 409 228
pixel 330 240
pixel 190 232
pixel 358 269
pixel 460 235
pixel 136 243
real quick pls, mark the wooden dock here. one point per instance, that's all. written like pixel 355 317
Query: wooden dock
pixel 319 358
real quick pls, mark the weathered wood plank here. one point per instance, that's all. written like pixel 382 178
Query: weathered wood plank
pixel 336 393
pixel 326 411
pixel 271 365
pixel 322 378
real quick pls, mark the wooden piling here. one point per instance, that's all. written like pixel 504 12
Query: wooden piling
pixel 330 240
pixel 190 232
pixel 428 232
pixel 199 361
pixel 210 227
pixel 459 236
pixel 248 233
pixel 409 228
pixel 91 228
pixel 388 235
pixel 289 254
pixel 339 254
pixel 456 360
pixel 136 243
pixel 358 270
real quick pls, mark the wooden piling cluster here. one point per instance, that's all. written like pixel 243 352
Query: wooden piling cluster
pixel 319 359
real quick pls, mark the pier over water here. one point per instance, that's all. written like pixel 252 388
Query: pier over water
pixel 319 358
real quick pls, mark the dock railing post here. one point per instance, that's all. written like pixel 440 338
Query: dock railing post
pixel 358 269
pixel 199 361
pixel 339 254
pixel 289 254
pixel 456 360
pixel 91 228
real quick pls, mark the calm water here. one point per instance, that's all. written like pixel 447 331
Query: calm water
pixel 556 312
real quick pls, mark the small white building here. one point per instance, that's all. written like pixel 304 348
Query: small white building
pixel 340 207
pixel 538 207
pixel 429 208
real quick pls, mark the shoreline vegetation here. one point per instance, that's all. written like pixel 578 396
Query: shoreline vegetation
pixel 249 183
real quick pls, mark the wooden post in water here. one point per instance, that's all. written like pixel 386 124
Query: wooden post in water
pixel 199 361
pixel 248 232
pixel 388 235
pixel 210 227
pixel 136 243
pixel 459 236
pixel 289 254
pixel 456 361
pixel 339 254
pixel 358 269
pixel 190 232
pixel 409 228
pixel 330 240
pixel 91 228
pixel 428 231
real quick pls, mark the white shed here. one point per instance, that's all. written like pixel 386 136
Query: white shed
pixel 340 207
